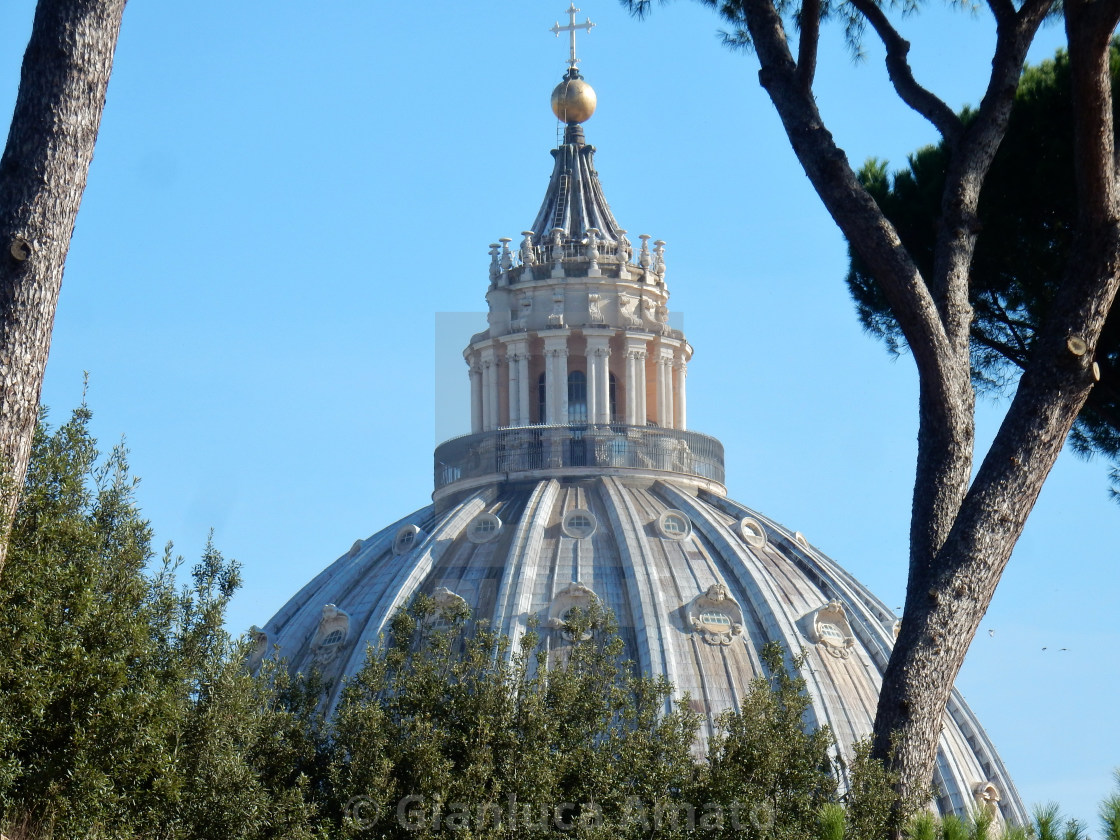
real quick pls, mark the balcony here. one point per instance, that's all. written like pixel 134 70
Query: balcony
pixel 540 451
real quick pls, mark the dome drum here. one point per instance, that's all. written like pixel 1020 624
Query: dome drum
pixel 531 452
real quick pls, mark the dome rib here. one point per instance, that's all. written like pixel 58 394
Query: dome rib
pixel 574 200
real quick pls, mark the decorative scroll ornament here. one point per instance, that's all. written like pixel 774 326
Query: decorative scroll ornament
pixel 594 313
pixel 832 631
pixel 330 635
pixel 987 797
pixel 628 306
pixel 524 310
pixel 716 616
pixel 556 317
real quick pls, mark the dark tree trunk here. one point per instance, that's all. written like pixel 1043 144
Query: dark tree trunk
pixel 42 177
pixel 963 529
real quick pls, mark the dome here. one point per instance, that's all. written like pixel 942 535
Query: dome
pixel 581 482
pixel 698 583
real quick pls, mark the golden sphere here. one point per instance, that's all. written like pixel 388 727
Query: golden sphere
pixel 573 101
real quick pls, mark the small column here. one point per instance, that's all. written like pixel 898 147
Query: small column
pixel 514 403
pixel 598 379
pixel 523 387
pixel 489 388
pixel 556 378
pixel 635 381
pixel 592 390
pixel 517 365
pixel 664 386
pixel 476 395
pixel 681 368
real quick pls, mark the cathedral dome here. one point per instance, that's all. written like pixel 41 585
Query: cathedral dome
pixel 581 482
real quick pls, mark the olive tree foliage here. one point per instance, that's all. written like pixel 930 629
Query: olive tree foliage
pixel 966 516
pixel 1027 216
pixel 125 708
pixel 43 173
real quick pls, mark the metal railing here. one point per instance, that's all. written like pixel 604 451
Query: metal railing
pixel 542 448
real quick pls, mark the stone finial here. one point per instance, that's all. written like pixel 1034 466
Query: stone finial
pixel 643 254
pixel 557 236
pixel 593 253
pixel 507 255
pixel 625 248
pixel 495 265
pixel 528 253
pixel 659 259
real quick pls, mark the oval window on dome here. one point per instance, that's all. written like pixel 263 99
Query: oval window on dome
pixel 752 532
pixel 674 525
pixel 405 540
pixel 579 524
pixel 483 528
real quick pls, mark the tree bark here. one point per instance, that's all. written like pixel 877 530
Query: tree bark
pixel 962 533
pixel 42 177
pixel 944 604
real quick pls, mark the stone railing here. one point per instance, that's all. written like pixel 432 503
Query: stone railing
pixel 556 248
pixel 536 449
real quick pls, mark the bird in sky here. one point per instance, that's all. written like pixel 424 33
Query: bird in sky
pixel 991 633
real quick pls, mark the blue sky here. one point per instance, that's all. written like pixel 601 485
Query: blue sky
pixel 284 195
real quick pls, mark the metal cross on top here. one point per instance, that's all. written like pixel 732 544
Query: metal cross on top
pixel 571 30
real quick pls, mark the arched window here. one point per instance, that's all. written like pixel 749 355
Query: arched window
pixel 542 400
pixel 577 397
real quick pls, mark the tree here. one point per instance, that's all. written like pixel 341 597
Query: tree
pixel 42 177
pixel 1027 214
pixel 125 708
pixel 963 527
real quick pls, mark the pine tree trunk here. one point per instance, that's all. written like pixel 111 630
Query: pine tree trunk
pixel 963 528
pixel 42 177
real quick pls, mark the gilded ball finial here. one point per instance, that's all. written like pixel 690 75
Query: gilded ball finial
pixel 573 100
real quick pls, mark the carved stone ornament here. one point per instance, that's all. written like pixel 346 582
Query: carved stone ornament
pixel 574 595
pixel 528 252
pixel 716 616
pixel 594 313
pixel 987 796
pixel 521 315
pixel 831 630
pixel 331 634
pixel 448 606
pixel 556 317
pixel 495 261
pixel 628 306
